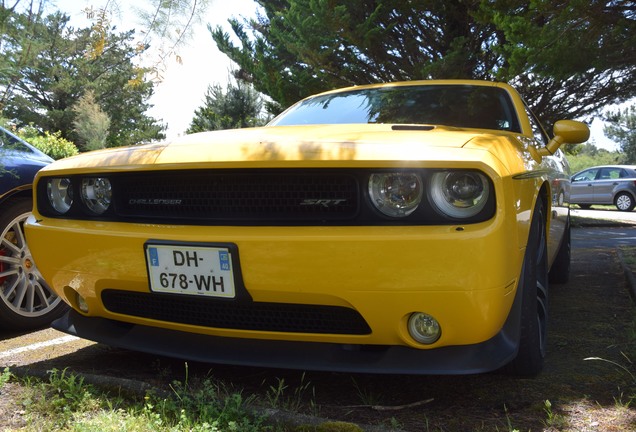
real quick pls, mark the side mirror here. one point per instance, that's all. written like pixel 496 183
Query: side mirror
pixel 566 132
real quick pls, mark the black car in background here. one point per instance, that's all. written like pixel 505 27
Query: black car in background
pixel 26 301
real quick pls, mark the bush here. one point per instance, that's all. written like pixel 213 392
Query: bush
pixel 50 143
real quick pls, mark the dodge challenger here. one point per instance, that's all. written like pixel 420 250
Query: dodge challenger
pixel 410 227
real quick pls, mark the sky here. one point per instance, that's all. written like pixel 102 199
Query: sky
pixel 183 86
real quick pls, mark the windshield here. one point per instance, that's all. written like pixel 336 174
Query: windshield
pixel 462 106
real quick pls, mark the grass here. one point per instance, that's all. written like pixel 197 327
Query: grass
pixel 629 257
pixel 65 402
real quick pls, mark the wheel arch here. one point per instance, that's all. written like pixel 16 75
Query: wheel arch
pixel 623 191
pixel 23 192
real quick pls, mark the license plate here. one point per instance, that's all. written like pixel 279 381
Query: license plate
pixel 191 270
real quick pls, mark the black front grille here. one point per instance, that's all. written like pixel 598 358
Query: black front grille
pixel 238 196
pixel 276 317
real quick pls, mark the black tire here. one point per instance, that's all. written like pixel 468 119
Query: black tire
pixel 560 271
pixel 534 308
pixel 26 301
pixel 624 202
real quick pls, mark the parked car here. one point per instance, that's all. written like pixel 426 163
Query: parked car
pixel 609 185
pixel 26 301
pixel 401 228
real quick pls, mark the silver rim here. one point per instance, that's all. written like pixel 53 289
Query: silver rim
pixel 623 202
pixel 22 288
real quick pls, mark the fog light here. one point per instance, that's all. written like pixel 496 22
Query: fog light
pixel 81 303
pixel 424 328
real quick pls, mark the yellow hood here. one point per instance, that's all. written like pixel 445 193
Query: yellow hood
pixel 285 146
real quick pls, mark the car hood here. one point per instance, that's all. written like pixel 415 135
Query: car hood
pixel 280 145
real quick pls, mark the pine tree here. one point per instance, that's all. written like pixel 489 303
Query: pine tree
pixel 237 106
pixel 568 58
pixel 621 128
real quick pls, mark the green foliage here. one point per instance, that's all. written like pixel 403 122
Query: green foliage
pixel 48 86
pixel 66 402
pixel 91 123
pixel 237 106
pixel 5 376
pixel 59 399
pixel 621 128
pixel 18 46
pixel 295 48
pixel 51 144
pixel 587 155
pixel 279 397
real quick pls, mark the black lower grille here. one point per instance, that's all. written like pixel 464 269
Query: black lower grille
pixel 277 317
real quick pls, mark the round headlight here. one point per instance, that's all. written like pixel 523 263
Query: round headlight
pixel 396 194
pixel 459 194
pixel 96 194
pixel 60 194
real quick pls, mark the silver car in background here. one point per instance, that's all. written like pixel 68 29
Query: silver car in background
pixel 611 184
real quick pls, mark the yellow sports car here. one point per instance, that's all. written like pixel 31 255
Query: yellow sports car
pixel 409 227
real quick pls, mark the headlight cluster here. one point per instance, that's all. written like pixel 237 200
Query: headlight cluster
pixel 456 194
pixel 95 194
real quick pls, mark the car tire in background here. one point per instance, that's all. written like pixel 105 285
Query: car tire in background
pixel 534 307
pixel 624 202
pixel 26 301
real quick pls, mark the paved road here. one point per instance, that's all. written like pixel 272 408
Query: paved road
pixel 603 237
pixel 613 215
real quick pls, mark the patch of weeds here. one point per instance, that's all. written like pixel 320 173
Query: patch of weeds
pixel 204 407
pixel 330 426
pixel 509 420
pixel 5 376
pixel 395 424
pixel 278 395
pixel 66 402
pixel 367 397
pixel 627 368
pixel 59 399
pixel 553 419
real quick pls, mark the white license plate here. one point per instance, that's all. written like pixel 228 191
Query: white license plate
pixel 190 270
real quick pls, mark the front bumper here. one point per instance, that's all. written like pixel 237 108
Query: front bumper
pixel 466 359
pixel 466 278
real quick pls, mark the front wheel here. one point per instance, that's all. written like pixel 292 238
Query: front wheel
pixel 624 202
pixel 534 295
pixel 26 301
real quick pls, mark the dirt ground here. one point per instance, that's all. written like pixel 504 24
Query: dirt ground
pixel 591 317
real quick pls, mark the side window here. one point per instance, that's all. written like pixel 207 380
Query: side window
pixel 537 130
pixel 585 175
pixel 610 173
pixel 624 174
